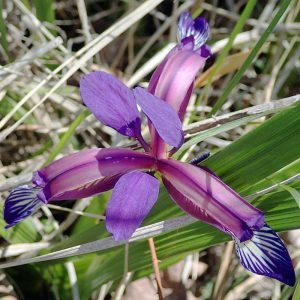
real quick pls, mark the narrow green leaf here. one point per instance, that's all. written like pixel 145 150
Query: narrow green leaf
pixel 3 33
pixel 260 153
pixel 44 10
pixel 296 295
pixel 236 30
pixel 66 136
pixel 293 192
pixel 234 81
pixel 214 131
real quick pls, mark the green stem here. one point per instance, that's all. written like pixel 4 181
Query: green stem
pixel 66 136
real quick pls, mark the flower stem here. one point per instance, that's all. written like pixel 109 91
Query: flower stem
pixel 156 269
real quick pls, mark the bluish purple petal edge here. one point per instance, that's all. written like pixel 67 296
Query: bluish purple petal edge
pixel 20 204
pixel 265 254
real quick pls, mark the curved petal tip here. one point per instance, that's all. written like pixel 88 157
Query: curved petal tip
pixel 21 203
pixel 197 28
pixel 265 254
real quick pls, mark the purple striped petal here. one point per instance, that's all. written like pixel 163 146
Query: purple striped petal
pixel 190 206
pixel 112 102
pixel 198 29
pixel 132 199
pixel 21 203
pixel 177 76
pixel 175 86
pixel 265 254
pixel 89 172
pixel 162 116
pixel 211 195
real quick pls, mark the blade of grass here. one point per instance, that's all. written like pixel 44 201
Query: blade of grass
pixel 3 33
pixel 236 30
pixel 297 292
pixel 295 194
pixel 234 81
pixel 231 63
pixel 44 10
pixel 66 136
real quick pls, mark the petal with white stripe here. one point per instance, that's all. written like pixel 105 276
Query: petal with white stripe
pixel 21 203
pixel 265 254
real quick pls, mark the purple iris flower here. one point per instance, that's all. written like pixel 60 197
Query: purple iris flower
pixel 131 174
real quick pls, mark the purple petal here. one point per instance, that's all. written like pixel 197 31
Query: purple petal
pixel 112 102
pixel 177 76
pixel 132 199
pixel 68 178
pixel 198 29
pixel 213 196
pixel 21 203
pixel 175 85
pixel 162 116
pixel 83 157
pixel 156 74
pixel 265 254
pixel 191 207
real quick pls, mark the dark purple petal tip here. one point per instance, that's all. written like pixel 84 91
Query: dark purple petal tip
pixel 132 199
pixel 111 101
pixel 21 203
pixel 266 255
pixel 197 28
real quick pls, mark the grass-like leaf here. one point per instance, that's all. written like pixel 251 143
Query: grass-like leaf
pixel 234 81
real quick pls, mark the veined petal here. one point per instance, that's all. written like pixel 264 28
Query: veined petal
pixel 190 206
pixel 112 102
pixel 175 86
pixel 162 116
pixel 81 158
pixel 21 203
pixel 95 174
pixel 132 198
pixel 156 74
pixel 198 29
pixel 177 76
pixel 265 254
pixel 211 195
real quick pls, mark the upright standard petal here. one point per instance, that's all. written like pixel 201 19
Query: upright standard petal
pixel 78 176
pixel 208 193
pixel 265 254
pixel 21 203
pixel 175 85
pixel 132 198
pixel 177 76
pixel 111 102
pixel 162 116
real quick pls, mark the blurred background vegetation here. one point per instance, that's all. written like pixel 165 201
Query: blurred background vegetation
pixel 245 110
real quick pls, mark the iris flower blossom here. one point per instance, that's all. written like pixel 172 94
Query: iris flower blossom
pixel 131 174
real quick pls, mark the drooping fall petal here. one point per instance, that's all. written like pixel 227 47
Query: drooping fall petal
pixel 112 102
pixel 89 172
pixel 209 194
pixel 132 198
pixel 190 206
pixel 265 254
pixel 162 116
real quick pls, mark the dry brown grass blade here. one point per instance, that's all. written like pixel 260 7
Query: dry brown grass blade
pixel 230 64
